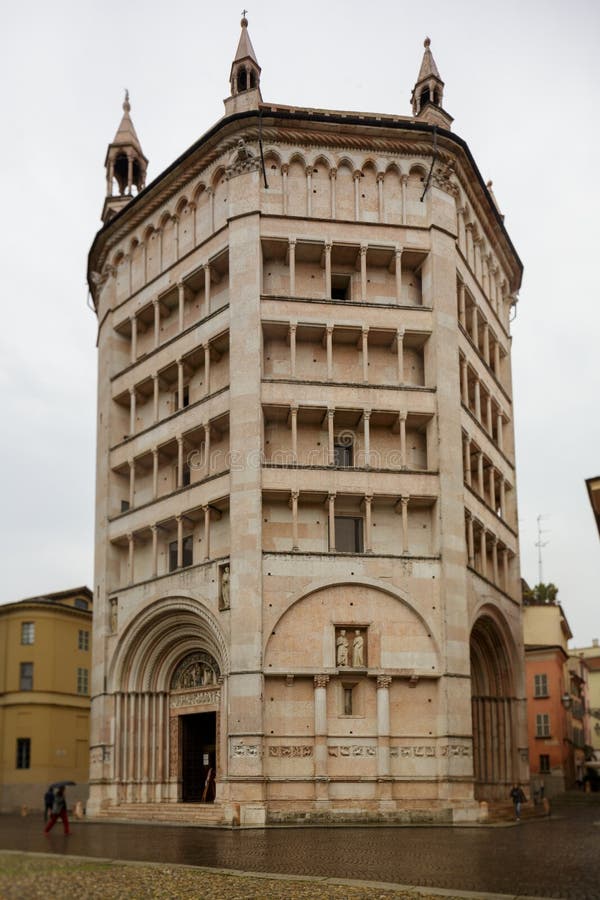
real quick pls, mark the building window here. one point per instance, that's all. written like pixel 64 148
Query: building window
pixel 540 687
pixel 343 453
pixel 340 287
pixel 83 640
pixel 26 677
pixel 348 534
pixel 185 398
pixel 124 506
pixel 80 604
pixel 348 692
pixel 544 764
pixel 187 555
pixel 23 753
pixel 27 632
pixel 542 725
pixel 82 681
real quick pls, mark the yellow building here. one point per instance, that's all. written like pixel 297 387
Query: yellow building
pixel 45 661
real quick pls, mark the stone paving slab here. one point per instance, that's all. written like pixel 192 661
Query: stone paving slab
pixel 29 876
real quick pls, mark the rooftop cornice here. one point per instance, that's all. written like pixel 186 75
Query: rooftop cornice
pixel 309 127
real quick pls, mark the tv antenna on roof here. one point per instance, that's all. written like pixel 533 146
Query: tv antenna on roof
pixel 539 544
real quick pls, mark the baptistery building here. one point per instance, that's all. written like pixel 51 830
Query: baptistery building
pixel 307 564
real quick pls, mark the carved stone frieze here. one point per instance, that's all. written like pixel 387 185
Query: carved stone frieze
pixel 416 751
pixel 352 750
pixel 251 751
pixel 291 751
pixel 243 160
pixel 195 698
pixel 196 670
pixel 441 177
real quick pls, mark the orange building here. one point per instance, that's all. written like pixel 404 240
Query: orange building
pixel 556 699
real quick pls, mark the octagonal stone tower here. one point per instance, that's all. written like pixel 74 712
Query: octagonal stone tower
pixel 307 565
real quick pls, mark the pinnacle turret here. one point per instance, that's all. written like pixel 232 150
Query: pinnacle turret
pixel 125 165
pixel 428 92
pixel 244 78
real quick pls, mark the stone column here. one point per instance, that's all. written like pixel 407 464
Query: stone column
pixel 156 391
pixel 464 381
pixel 486 343
pixel 130 561
pixel 365 353
pixel 363 272
pixel 398 255
pixel 404 183
pixel 502 496
pixel 478 399
pixel 505 569
pixel 328 270
pixel 156 306
pixel 492 487
pixel 367 436
pixel 155 473
pixel 179 520
pixel 331 502
pixel 404 502
pixel 495 560
pixel 309 191
pixel 293 327
pixel 179 461
pixel 181 300
pixel 467 459
pixel 483 551
pixel 402 416
pixel 368 499
pixel 383 727
pixel 329 340
pixel 356 179
pixel 330 448
pixel 380 210
pixel 154 529
pixel 179 383
pixel 284 173
pixel 294 504
pixel 462 309
pixel 400 353
pixel 292 265
pixel 206 369
pixel 488 414
pixel 206 268
pixel 499 425
pixel 206 427
pixel 475 326
pixel 480 484
pixel 131 483
pixel 332 176
pixel 320 701
pixel 497 360
pixel 132 411
pixel 133 321
pixel 470 541
pixel 294 426
pixel 206 511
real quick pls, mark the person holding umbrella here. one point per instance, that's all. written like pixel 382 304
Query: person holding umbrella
pixel 59 807
pixel 48 803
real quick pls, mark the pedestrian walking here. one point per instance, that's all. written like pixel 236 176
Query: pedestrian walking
pixel 518 798
pixel 59 811
pixel 48 802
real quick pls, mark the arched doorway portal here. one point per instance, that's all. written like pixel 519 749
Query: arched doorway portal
pixel 495 754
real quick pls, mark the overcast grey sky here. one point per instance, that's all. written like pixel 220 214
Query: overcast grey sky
pixel 522 81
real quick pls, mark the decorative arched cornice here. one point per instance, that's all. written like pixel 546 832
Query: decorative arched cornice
pixel 372 583
pixel 158 637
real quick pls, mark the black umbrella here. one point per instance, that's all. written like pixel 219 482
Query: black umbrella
pixel 59 784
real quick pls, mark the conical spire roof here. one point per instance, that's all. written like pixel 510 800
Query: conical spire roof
pixel 428 67
pixel 245 48
pixel 126 135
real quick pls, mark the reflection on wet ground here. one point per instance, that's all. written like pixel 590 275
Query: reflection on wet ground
pixel 555 857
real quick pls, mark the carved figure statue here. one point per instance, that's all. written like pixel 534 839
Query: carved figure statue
pixel 114 616
pixel 342 648
pixel 357 649
pixel 225 588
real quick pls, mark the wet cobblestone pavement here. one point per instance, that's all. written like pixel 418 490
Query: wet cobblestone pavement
pixel 557 857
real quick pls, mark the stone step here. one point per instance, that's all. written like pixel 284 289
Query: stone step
pixel 180 813
pixel 504 812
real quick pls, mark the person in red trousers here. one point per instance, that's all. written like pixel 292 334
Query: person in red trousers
pixel 59 811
